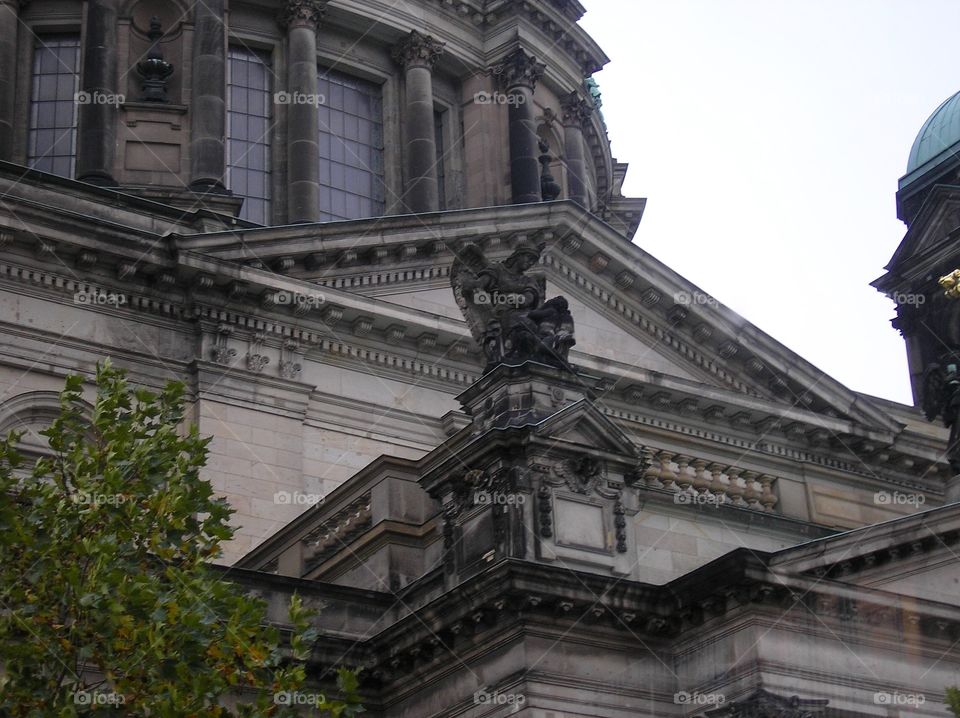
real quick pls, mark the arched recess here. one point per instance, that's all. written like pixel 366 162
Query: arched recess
pixel 30 413
pixel 551 132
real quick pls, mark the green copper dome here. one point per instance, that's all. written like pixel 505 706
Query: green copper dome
pixel 937 137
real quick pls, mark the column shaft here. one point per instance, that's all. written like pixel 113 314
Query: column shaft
pixel 576 167
pixel 8 59
pixel 209 102
pixel 576 113
pixel 418 54
pixel 303 153
pixel 97 131
pixel 520 73
pixel 422 194
pixel 524 166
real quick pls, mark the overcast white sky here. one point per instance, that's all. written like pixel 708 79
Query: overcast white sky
pixel 768 137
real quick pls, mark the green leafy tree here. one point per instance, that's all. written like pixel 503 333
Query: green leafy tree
pixel 107 601
pixel 953 701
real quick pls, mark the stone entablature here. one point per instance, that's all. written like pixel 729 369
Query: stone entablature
pixel 443 636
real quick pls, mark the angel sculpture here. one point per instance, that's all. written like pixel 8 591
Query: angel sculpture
pixel 506 309
pixel 941 397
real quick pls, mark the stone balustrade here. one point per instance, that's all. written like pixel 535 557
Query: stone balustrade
pixel 699 479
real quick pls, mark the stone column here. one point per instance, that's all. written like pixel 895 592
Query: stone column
pixel 575 114
pixel 418 54
pixel 97 130
pixel 9 11
pixel 208 110
pixel 520 73
pixel 302 18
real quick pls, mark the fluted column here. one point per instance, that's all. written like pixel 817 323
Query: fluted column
pixel 418 54
pixel 9 11
pixel 209 98
pixel 575 114
pixel 302 18
pixel 520 73
pixel 97 130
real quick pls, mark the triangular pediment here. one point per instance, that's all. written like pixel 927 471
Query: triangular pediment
pixel 914 555
pixel 934 227
pixel 582 424
pixel 631 311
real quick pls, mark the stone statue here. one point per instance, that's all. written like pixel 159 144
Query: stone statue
pixel 506 309
pixel 941 397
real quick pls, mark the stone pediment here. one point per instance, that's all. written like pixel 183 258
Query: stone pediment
pixel 581 423
pixel 631 310
pixel 913 555
pixel 634 312
pixel 933 230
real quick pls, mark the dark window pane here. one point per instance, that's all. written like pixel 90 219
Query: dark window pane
pixel 51 140
pixel 349 143
pixel 249 129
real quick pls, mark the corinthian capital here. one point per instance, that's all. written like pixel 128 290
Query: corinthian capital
pixel 417 50
pixel 576 111
pixel 302 13
pixel 519 69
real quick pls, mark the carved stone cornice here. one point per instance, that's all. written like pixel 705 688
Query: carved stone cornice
pixel 518 69
pixel 302 13
pixel 417 50
pixel 576 111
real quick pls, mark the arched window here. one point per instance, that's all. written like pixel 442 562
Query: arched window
pixel 30 413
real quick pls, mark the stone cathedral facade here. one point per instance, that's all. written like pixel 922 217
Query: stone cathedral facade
pixel 524 467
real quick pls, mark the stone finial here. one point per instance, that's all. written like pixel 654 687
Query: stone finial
pixel 302 13
pixel 575 111
pixel 520 69
pixel 153 69
pixel 416 50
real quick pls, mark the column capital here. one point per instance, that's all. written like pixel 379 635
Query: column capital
pixel 417 49
pixel 575 111
pixel 302 13
pixel 518 69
